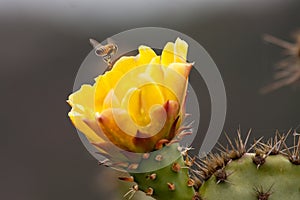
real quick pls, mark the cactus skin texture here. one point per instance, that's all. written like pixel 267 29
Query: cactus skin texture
pixel 270 172
pixel 263 171
pixel 169 182
pixel 276 179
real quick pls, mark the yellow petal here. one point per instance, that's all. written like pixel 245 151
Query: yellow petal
pixel 174 52
pixel 155 70
pixel 104 84
pixel 180 50
pixel 85 97
pixel 110 100
pixel 167 56
pixel 142 100
pixel 124 64
pixel 181 68
pixel 158 117
pixel 175 82
pixel 82 103
pixel 146 54
pixel 155 60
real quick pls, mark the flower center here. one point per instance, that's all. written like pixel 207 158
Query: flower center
pixel 144 98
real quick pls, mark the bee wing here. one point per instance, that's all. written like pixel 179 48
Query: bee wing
pixel 110 41
pixel 95 44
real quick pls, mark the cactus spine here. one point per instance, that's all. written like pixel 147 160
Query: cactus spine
pixel 270 172
pixel 263 171
pixel 171 181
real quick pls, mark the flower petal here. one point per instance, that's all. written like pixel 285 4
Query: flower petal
pixel 146 54
pixel 175 81
pixel 167 56
pixel 113 130
pixel 110 100
pixel 104 84
pixel 82 103
pixel 142 100
pixel 124 64
pixel 155 70
pixel 180 50
pixel 174 52
pixel 181 68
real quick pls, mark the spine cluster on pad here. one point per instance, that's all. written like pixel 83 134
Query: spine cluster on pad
pixel 260 171
pixel 263 171
pixel 169 182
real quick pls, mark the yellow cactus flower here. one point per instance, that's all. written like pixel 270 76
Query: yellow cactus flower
pixel 138 105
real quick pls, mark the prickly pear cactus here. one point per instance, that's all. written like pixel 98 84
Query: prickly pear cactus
pixel 171 181
pixel 122 119
pixel 271 172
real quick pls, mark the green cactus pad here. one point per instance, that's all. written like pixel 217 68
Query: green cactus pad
pixel 270 172
pixel 172 181
pixel 276 179
pixel 264 171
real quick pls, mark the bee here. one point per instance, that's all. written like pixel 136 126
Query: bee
pixel 105 51
pixel 288 70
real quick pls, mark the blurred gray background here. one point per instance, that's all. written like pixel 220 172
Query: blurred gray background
pixel 42 44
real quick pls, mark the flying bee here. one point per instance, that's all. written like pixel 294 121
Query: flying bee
pixel 105 51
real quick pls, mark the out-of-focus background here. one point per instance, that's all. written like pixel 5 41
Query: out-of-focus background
pixel 42 44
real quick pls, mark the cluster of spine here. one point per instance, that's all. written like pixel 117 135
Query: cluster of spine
pixel 171 178
pixel 261 171
pixel 171 181
pixel 288 69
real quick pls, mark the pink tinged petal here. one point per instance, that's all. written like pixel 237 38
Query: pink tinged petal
pixel 82 102
pixel 174 128
pixel 181 68
pixel 93 124
pixel 77 120
pixel 124 121
pixel 110 121
pixel 172 108
pixel 142 142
